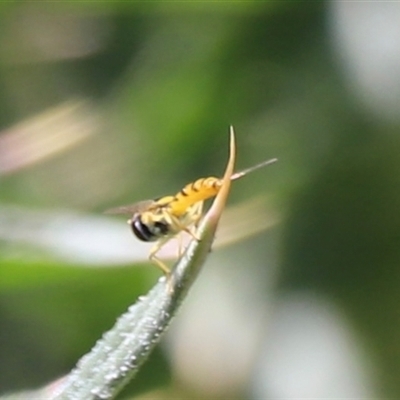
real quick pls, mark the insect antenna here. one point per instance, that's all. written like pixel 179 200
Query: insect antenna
pixel 239 174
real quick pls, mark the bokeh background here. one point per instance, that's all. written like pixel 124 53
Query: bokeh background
pixel 108 103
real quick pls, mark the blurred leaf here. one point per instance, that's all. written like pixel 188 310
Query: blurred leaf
pixel 90 241
pixel 46 135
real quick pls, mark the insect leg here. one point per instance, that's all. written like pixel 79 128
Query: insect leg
pixel 152 256
pixel 184 228
pixel 197 212
pixel 160 264
pixel 195 215
pixel 177 225
pixel 180 240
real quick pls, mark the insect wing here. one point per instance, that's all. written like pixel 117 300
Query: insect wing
pixel 244 172
pixel 131 209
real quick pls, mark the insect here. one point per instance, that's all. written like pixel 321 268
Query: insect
pixel 162 219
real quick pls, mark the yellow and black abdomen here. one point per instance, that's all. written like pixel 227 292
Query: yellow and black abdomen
pixel 200 190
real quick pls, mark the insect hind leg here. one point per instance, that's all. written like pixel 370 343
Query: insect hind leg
pixel 195 215
pixel 197 212
pixel 178 226
pixel 192 219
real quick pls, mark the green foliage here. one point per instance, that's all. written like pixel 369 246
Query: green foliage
pixel 108 103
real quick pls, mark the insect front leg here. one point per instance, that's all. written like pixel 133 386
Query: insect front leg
pixel 152 256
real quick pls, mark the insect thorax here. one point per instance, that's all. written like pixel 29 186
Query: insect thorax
pixel 153 225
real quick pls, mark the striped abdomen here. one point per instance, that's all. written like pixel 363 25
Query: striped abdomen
pixel 200 190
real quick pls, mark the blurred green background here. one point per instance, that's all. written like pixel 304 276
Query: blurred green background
pixel 108 103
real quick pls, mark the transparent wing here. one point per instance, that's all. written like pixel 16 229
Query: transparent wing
pixel 130 209
pixel 244 172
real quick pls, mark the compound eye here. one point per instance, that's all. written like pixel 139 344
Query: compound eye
pixel 142 231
